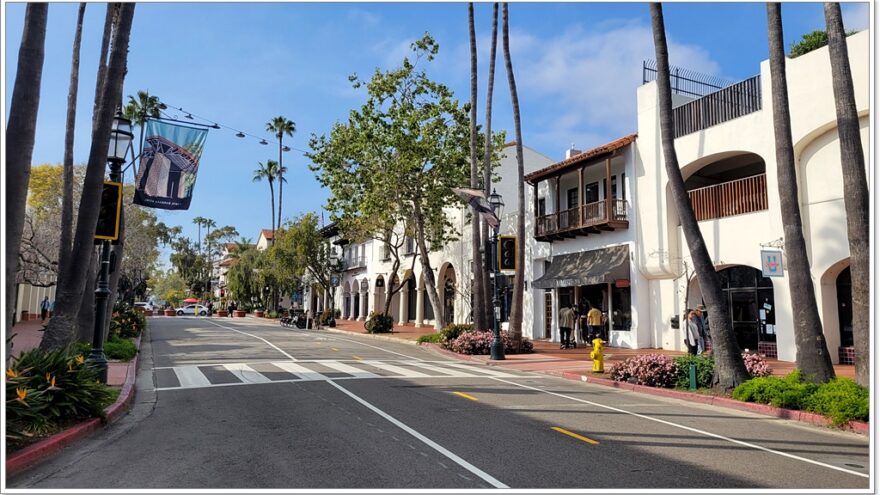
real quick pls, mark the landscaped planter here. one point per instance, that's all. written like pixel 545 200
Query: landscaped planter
pixel 170 312
pixel 222 312
pixel 259 313
pixel 148 312
pixel 238 313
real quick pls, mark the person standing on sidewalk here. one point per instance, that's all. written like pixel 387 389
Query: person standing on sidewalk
pixel 44 309
pixel 567 316
pixel 594 320
pixel 692 333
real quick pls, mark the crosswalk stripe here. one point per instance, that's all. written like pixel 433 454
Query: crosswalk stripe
pixel 191 376
pixel 300 371
pixel 351 370
pixel 483 370
pixel 406 373
pixel 246 374
pixel 446 371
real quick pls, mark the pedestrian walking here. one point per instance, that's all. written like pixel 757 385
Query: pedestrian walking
pixel 44 308
pixel 567 316
pixel 692 333
pixel 703 326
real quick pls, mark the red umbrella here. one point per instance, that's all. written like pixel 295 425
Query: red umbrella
pixel 191 300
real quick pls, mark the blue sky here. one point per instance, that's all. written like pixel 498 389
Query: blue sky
pixel 577 67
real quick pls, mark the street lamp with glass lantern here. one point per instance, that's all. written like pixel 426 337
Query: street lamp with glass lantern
pixel 496 350
pixel 121 136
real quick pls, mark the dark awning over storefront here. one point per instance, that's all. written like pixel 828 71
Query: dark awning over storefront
pixel 586 268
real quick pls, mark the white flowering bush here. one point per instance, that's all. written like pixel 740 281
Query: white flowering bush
pixel 654 370
pixel 756 365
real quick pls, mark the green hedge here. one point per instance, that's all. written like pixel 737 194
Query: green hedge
pixel 841 399
pixel 435 338
pixel 379 323
pixel 788 392
pixel 705 369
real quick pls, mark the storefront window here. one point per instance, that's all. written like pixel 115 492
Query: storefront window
pixel 621 308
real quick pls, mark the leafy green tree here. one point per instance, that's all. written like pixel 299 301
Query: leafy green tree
pixel 398 157
pixel 243 278
pixel 269 171
pixel 303 255
pixel 169 286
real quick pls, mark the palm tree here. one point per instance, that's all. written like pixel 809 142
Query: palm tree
pixel 200 221
pixel 855 189
pixel 20 130
pixel 139 109
pixel 487 153
pixel 812 352
pixel 477 265
pixel 280 125
pixel 730 370
pixel 209 224
pixel 516 313
pixel 109 22
pixel 269 171
pixel 69 294
pixel 67 188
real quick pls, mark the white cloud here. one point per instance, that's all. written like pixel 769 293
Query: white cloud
pixel 856 16
pixel 360 16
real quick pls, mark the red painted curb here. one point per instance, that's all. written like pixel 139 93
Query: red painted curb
pixel 40 451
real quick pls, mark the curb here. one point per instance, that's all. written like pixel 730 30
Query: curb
pixel 371 335
pixel 860 427
pixel 38 452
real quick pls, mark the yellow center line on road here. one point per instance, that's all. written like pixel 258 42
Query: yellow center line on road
pixel 335 349
pixel 357 357
pixel 466 396
pixel 575 435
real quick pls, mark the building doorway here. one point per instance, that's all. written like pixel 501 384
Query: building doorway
pixel 844 307
pixel 749 297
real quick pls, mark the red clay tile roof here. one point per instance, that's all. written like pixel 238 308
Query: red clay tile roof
pixel 267 233
pixel 558 168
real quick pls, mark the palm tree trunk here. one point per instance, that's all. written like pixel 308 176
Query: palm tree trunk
pixel 280 184
pixel 812 352
pixel 109 22
pixel 855 190
pixel 516 314
pixel 730 370
pixel 272 194
pixel 477 265
pixel 67 190
pixel 487 156
pixel 85 320
pixel 69 296
pixel 20 130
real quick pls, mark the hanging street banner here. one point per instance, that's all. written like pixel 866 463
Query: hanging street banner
pixel 168 166
pixel 477 199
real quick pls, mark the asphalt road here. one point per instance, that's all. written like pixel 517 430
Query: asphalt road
pixel 225 403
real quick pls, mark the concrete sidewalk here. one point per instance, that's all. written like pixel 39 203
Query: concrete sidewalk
pixel 28 334
pixel 549 357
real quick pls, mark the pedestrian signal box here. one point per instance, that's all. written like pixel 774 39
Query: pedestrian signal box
pixel 507 253
pixel 111 209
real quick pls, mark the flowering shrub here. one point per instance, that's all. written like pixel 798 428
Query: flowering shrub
pixel 756 365
pixel 480 342
pixel 127 321
pixel 452 331
pixel 655 370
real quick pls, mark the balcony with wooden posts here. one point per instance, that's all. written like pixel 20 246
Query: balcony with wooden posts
pixel 726 199
pixel 591 218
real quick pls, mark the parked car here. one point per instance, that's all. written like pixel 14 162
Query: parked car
pixel 144 305
pixel 192 309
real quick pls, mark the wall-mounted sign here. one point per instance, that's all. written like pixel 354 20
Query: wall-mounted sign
pixel 621 283
pixel 771 263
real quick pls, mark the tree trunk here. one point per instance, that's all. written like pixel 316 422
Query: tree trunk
pixel 69 295
pixel 67 190
pixel 855 190
pixel 280 183
pixel 478 290
pixel 85 320
pixel 812 356
pixel 516 314
pixel 117 258
pixel 487 158
pixel 427 271
pixel 109 22
pixel 20 130
pixel 730 370
pixel 272 195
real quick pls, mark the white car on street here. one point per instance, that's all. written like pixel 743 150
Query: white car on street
pixel 144 305
pixel 192 309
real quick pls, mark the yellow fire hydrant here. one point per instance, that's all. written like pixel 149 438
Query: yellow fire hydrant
pixel 598 356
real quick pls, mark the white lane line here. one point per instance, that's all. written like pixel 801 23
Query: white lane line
pixel 688 428
pixel 191 376
pixel 246 374
pixel 403 372
pixel 254 336
pixel 427 441
pixel 351 370
pixel 300 371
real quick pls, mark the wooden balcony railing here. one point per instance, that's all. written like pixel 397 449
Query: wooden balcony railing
pixel 584 219
pixel 730 198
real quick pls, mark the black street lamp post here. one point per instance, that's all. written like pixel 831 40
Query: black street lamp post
pixel 496 350
pixel 120 139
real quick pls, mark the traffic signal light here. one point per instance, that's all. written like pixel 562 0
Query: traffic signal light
pixel 507 253
pixel 111 207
